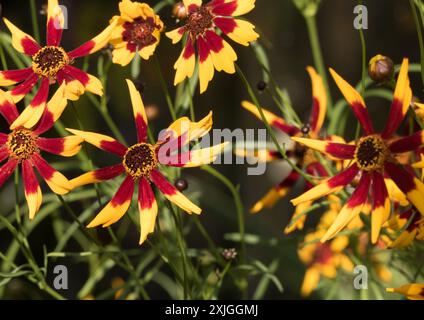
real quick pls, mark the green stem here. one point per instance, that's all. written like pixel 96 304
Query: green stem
pixel 420 36
pixel 311 24
pixel 165 89
pixel 34 20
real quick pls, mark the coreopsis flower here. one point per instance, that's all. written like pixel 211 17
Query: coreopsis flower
pixel 23 147
pixel 50 64
pixel 301 155
pixel 140 164
pixel 138 30
pixel 412 225
pixel 372 157
pixel 203 26
pixel 413 291
pixel 322 259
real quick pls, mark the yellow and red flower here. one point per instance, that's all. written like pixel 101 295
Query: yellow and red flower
pixel 23 147
pixel 372 157
pixel 203 25
pixel 413 291
pixel 50 64
pixel 140 164
pixel 138 30
pixel 302 156
pixel 411 223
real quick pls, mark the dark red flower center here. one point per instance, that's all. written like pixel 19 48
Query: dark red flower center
pixel 140 160
pixel 22 144
pixel 140 32
pixel 371 153
pixel 49 60
pixel 199 21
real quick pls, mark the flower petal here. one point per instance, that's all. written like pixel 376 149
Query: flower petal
pixel 7 107
pixel 332 185
pixel 240 31
pixel 223 55
pixel 351 209
pixel 21 90
pixel 89 82
pixel 401 102
pixel 98 175
pixel 55 23
pixel 10 77
pixel 32 189
pixel 319 105
pixel 232 7
pixel 138 111
pixel 269 200
pixel 381 205
pixel 32 113
pixel 176 35
pixel 355 101
pixel 206 67
pixel 340 151
pixel 272 119
pixel 21 41
pixel 117 207
pixel 57 182
pixel 66 147
pixel 101 141
pixel 406 144
pixel 185 64
pixel 148 209
pixel 172 194
pixel 7 169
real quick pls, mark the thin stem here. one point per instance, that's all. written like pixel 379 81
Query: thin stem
pixel 165 89
pixel 311 24
pixel 34 20
pixel 17 207
pixel 420 36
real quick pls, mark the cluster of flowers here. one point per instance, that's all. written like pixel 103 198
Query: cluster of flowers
pixel 136 29
pixel 376 177
pixel 384 183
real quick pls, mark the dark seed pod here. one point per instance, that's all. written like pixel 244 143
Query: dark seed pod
pixel 381 68
pixel 261 86
pixel 181 184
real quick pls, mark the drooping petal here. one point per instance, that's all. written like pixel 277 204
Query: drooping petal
pixel 55 23
pixel 206 67
pixel 66 147
pixel 272 119
pixel 32 113
pixel 269 200
pixel 381 205
pixel 7 169
pixel 98 175
pixel 101 141
pixel 413 291
pixel 21 90
pixel 117 207
pixel 95 44
pixel 172 194
pixel 185 64
pixel 412 187
pixel 355 101
pixel 10 77
pixel 332 185
pixel 232 7
pixel 53 111
pixel 21 41
pixel 89 83
pixel 351 209
pixel 148 209
pixel 32 189
pixel 298 219
pixel 319 105
pixel 401 102
pixel 340 151
pixel 8 108
pixel 240 31
pixel 406 144
pixel 57 182
pixel 138 111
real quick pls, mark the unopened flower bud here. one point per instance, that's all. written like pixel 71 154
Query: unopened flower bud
pixel 381 68
pixel 179 11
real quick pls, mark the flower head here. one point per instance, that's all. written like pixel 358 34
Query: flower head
pixel 50 64
pixel 372 157
pixel 202 27
pixel 22 147
pixel 138 30
pixel 141 164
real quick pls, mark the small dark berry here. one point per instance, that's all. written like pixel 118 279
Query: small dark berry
pixel 181 184
pixel 261 86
